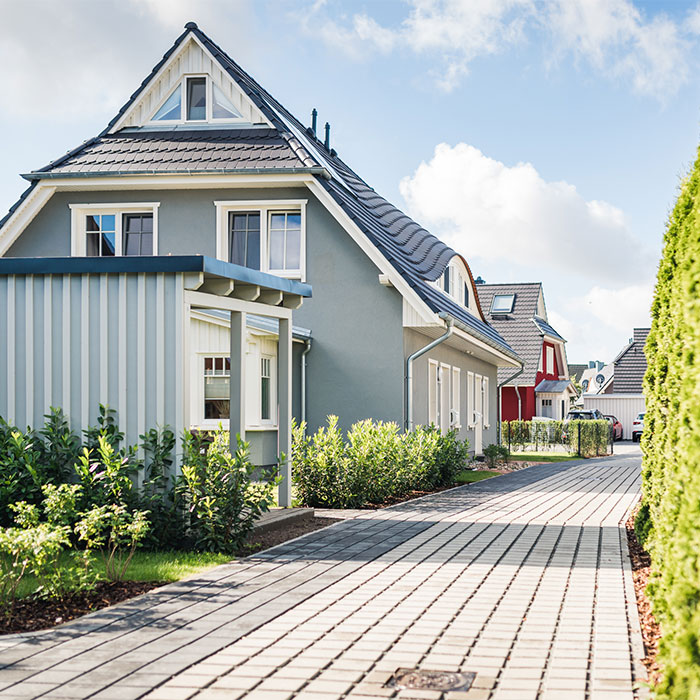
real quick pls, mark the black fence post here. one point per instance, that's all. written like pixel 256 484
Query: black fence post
pixel 508 437
pixel 579 439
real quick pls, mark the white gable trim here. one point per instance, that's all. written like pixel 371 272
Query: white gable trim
pixel 374 255
pixel 187 62
pixel 24 214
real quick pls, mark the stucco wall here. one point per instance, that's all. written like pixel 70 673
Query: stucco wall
pixel 454 357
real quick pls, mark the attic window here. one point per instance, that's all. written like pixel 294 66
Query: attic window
pixel 502 303
pixel 203 100
pixel 196 99
pixel 171 109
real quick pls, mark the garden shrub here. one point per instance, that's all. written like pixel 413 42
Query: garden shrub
pixel 375 464
pixel 116 532
pixel 669 519
pixel 224 501
pixel 494 453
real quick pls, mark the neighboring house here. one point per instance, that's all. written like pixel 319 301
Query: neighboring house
pixel 598 378
pixel 519 314
pixel 575 371
pixel 621 394
pixel 202 161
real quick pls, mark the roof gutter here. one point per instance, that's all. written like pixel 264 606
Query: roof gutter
pixel 321 172
pixel 409 370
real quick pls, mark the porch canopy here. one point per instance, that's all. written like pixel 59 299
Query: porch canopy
pixel 84 331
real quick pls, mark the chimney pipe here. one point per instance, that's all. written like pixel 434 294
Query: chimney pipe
pixel 314 115
pixel 327 142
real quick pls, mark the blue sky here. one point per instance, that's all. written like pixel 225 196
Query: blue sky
pixel 545 140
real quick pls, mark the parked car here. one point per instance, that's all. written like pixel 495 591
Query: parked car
pixel 616 427
pixel 637 427
pixel 588 414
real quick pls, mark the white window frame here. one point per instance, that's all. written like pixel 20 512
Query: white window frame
pixel 478 398
pixel 455 399
pixel 433 392
pixel 509 310
pixel 79 212
pixel 265 207
pixel 270 422
pixel 183 105
pixel 445 398
pixel 485 403
pixel 470 400
pixel 209 423
pixel 549 362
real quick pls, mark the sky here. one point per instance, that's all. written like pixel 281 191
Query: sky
pixel 544 140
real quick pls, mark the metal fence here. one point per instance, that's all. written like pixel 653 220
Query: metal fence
pixel 585 438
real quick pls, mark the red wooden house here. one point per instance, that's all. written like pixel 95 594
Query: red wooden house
pixel 518 313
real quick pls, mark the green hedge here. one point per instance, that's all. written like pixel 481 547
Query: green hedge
pixel 375 463
pixel 669 519
pixel 521 435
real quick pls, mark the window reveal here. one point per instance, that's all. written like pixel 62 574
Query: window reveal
pixel 196 99
pixel 285 241
pixel 217 381
pixel 138 234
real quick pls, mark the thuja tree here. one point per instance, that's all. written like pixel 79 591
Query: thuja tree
pixel 669 520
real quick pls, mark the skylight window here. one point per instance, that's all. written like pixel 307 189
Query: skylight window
pixel 221 107
pixel 502 303
pixel 172 108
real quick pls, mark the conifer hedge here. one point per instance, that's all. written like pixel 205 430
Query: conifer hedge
pixel 669 519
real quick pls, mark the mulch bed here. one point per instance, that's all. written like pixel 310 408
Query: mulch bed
pixel 32 614
pixel 283 534
pixel 641 568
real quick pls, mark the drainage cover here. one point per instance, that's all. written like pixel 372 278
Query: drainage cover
pixel 414 679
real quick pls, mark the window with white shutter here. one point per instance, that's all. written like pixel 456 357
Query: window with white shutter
pixel 444 394
pixel 432 392
pixel 486 402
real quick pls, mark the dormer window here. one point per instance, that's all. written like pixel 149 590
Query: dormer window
pixel 502 303
pixel 203 102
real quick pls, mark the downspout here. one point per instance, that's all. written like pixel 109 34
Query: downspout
pixel 498 399
pixel 305 352
pixel 409 370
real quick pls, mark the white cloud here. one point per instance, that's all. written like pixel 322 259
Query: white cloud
pixel 631 304
pixel 494 212
pixel 653 54
pixel 85 59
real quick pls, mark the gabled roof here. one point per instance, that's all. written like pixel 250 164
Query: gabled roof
pixel 416 254
pixel 631 364
pixel 523 329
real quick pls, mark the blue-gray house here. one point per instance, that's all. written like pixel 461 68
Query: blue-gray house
pixel 206 169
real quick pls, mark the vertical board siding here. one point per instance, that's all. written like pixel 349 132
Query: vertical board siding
pixel 75 341
pixel 625 407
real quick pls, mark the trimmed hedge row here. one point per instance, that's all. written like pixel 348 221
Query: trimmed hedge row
pixel 374 464
pixel 669 519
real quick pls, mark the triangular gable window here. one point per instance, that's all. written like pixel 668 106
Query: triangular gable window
pixel 222 107
pixel 171 109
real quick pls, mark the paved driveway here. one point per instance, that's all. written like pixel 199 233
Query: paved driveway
pixel 523 579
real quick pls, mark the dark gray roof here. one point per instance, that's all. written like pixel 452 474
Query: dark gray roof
pixel 575 371
pixel 546 328
pixel 419 256
pixel 552 386
pixel 631 365
pixel 522 329
pixel 179 151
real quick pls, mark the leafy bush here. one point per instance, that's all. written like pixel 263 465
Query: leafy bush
pixel 495 452
pixel 669 519
pixel 116 532
pixel 224 502
pixel 375 464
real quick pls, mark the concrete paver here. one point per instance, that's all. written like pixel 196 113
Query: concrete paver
pixel 524 580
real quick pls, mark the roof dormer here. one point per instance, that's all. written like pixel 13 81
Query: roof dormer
pixel 456 282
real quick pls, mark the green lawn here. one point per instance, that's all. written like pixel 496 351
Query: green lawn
pixel 469 477
pixel 542 456
pixel 152 566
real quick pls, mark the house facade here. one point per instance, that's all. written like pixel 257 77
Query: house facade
pixel 202 161
pixel 543 388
